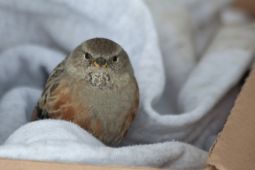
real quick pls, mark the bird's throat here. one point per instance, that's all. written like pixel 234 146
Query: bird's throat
pixel 101 80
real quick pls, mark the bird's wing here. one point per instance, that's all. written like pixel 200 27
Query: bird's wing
pixel 41 111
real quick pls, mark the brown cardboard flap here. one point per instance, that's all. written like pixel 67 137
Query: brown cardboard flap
pixel 235 146
pixel 246 5
pixel 34 165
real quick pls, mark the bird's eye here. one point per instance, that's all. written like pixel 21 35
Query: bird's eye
pixel 88 56
pixel 115 58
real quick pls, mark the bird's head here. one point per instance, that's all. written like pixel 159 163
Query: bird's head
pixel 98 57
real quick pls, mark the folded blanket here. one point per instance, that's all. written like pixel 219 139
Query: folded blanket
pixel 184 99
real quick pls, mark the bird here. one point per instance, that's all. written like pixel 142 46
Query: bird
pixel 94 87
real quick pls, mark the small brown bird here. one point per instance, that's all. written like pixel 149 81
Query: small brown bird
pixel 94 87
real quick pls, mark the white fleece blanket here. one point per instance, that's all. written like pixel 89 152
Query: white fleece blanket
pixel 182 93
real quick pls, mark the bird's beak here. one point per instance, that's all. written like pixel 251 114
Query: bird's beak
pixel 95 64
pixel 99 66
pixel 100 62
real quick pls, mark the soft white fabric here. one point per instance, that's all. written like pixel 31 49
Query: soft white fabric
pixel 36 35
pixel 69 143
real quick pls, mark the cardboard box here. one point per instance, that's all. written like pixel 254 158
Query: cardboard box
pixel 35 165
pixel 233 150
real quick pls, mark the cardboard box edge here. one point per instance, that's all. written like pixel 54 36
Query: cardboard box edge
pixel 213 164
pixel 13 164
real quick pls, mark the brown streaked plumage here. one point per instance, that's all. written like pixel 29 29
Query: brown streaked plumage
pixel 94 87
